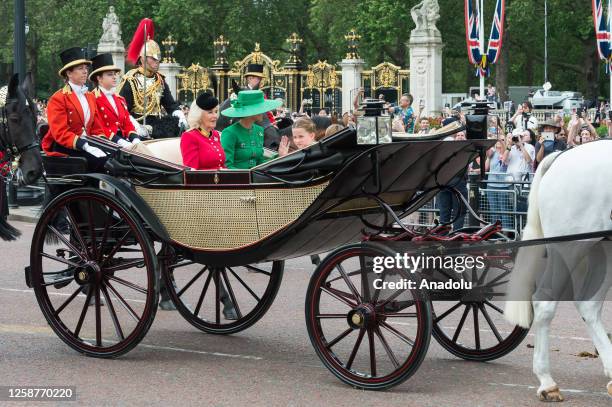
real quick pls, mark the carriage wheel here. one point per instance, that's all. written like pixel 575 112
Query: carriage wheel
pixel 223 300
pixel 473 327
pixel 94 273
pixel 369 338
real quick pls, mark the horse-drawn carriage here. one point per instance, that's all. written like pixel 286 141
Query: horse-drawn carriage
pixel 217 240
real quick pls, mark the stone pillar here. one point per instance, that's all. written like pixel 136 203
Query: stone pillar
pixel 111 39
pixel 426 70
pixel 351 81
pixel 425 48
pixel 171 72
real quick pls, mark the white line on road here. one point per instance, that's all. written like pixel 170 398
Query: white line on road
pixel 525 386
pixel 571 338
pixel 46 331
pixel 30 291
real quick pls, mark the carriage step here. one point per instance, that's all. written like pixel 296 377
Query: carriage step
pixel 28 276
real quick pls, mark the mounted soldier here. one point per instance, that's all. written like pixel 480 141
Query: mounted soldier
pixel 145 90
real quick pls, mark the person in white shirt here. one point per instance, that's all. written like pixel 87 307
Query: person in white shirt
pixel 520 153
pixel 524 119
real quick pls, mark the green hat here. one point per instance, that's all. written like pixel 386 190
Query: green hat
pixel 250 103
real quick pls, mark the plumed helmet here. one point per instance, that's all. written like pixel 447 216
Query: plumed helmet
pixel 137 48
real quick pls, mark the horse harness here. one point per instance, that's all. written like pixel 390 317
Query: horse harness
pixel 7 143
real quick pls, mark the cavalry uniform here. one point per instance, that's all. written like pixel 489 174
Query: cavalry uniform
pixel 132 89
pixel 162 112
pixel 112 110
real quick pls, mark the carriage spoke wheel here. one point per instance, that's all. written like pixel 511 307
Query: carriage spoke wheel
pixel 473 327
pixel 368 336
pixel 222 300
pixel 93 270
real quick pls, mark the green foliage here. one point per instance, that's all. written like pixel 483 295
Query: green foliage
pixel 602 131
pixel 384 25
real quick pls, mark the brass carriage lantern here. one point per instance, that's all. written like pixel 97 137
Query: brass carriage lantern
pixel 374 127
pixel 169 43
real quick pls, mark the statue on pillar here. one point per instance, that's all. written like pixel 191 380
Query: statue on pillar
pixel 111 28
pixel 425 15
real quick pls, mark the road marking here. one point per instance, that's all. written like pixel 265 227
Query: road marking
pixel 46 331
pixel 571 338
pixel 525 386
pixel 31 291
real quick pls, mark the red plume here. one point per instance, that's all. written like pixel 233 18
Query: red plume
pixel 138 39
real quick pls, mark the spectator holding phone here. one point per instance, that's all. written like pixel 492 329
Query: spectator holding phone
pixel 520 153
pixel 523 118
pixel 405 112
pixel 549 140
pixel 581 130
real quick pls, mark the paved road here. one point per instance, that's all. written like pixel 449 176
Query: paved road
pixel 272 363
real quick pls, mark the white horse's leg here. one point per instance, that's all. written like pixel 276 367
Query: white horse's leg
pixel 591 314
pixel 543 313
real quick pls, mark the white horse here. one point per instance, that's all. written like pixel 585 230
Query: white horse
pixel 571 193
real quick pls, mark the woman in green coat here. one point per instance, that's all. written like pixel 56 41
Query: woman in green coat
pixel 243 140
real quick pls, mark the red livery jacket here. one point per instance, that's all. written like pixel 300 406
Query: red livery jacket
pixel 67 121
pixel 112 121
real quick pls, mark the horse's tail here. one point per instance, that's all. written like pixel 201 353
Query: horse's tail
pixel 7 232
pixel 522 279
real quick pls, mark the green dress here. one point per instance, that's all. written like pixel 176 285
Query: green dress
pixel 243 147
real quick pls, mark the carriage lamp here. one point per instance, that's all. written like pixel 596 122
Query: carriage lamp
pixel 374 127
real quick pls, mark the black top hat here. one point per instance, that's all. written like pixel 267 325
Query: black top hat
pixel 72 57
pixel 102 63
pixel 206 101
pixel 254 70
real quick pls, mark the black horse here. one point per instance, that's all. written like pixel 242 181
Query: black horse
pixel 18 141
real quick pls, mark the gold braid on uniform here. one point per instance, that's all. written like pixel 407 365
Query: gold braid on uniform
pixel 154 90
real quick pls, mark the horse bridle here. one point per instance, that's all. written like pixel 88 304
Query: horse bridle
pixel 7 143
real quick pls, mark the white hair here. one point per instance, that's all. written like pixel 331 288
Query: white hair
pixel 194 116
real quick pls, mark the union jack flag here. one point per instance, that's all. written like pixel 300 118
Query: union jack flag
pixel 472 32
pixel 602 29
pixel 472 35
pixel 497 31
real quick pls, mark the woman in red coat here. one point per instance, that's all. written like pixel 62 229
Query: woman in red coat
pixel 71 112
pixel 201 146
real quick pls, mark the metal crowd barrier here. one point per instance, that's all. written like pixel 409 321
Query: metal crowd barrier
pixel 492 200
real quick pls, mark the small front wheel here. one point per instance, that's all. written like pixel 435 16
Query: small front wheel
pixel 369 336
pixel 94 273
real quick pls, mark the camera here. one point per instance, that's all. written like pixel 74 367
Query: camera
pixel 515 139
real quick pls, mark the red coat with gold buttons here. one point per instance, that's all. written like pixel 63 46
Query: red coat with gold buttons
pixel 202 151
pixel 112 120
pixel 67 121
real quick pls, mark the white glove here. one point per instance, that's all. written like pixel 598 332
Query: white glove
pixel 136 140
pixel 95 151
pixel 181 117
pixel 123 143
pixel 140 129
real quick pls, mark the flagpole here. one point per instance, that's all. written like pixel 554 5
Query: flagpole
pixel 545 41
pixel 482 47
pixel 610 42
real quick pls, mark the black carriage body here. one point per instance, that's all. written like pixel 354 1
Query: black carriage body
pixel 306 203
